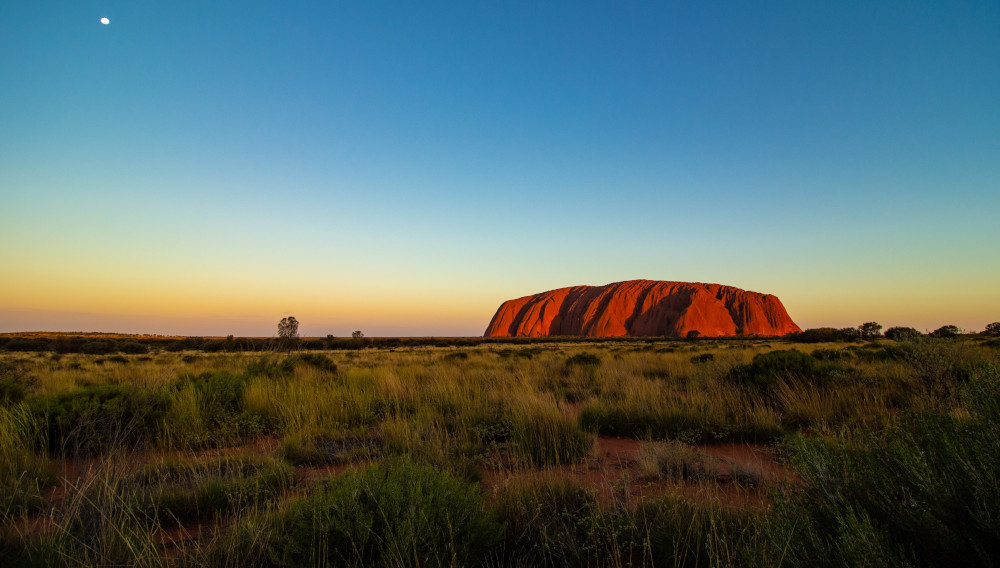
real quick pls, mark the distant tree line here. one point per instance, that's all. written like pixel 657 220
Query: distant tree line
pixel 873 330
pixel 144 344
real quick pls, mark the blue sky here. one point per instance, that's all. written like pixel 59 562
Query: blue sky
pixel 206 168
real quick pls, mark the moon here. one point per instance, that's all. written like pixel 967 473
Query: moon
pixel 105 21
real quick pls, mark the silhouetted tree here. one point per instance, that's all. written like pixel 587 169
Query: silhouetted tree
pixel 870 330
pixel 288 332
pixel 946 331
pixel 993 329
pixel 357 334
pixel 900 333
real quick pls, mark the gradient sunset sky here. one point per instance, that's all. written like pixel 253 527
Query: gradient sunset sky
pixel 402 168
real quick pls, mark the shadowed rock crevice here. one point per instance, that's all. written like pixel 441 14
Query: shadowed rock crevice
pixel 642 307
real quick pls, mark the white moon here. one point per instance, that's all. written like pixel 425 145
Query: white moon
pixel 105 21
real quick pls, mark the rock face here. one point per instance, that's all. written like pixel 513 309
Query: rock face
pixel 643 307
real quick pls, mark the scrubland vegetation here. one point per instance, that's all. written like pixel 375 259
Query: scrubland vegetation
pixel 612 453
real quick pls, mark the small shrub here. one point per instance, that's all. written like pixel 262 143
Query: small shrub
pixel 831 354
pixel 314 360
pixel 544 437
pixel 674 460
pixel 324 447
pixel 15 382
pixel 97 418
pixel 901 333
pixel 396 513
pixel 133 348
pixel 548 522
pixel 181 491
pixel 766 369
pixel 702 358
pixel 946 331
pixel 456 356
pixel 98 347
pixel 583 360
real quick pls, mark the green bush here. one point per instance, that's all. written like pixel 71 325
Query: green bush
pixel 315 360
pixel 583 360
pixel 681 532
pixel 766 369
pixel 922 495
pixel 831 354
pixel 548 522
pixel 24 475
pixel 15 382
pixel 702 358
pixel 181 491
pixel 901 333
pixel 327 447
pixel 97 418
pixel 98 347
pixel 545 437
pixel 396 513
pixel 222 409
pixel 133 347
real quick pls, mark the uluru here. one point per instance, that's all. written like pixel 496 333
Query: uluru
pixel 643 308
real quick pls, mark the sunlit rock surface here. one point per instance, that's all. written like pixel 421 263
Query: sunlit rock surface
pixel 643 307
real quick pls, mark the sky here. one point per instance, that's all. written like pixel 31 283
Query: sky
pixel 402 168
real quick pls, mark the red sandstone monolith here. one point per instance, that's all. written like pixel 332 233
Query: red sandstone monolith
pixel 643 307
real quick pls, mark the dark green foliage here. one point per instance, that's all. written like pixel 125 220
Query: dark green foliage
pixel 524 352
pixel 315 360
pixel 548 522
pixel 870 330
pixel 180 491
pixel 583 360
pixel 946 331
pixel 901 333
pixel 32 344
pixel 325 448
pixel 922 495
pixel 766 369
pixel 832 354
pixel 97 418
pixel 703 358
pixel 132 347
pixel 456 356
pixel 98 347
pixel 691 425
pixel 679 532
pixel 118 359
pixel 549 439
pixel 271 367
pixel 826 335
pixel 15 382
pixel 393 514
pixel 220 398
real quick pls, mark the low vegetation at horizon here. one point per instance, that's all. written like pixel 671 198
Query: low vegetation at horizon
pixel 868 451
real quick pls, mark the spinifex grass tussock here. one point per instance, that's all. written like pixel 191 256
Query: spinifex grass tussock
pixel 395 513
pixel 676 461
pixel 922 494
pixel 173 491
pixel 24 473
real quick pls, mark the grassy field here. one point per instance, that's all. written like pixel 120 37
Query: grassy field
pixel 638 453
